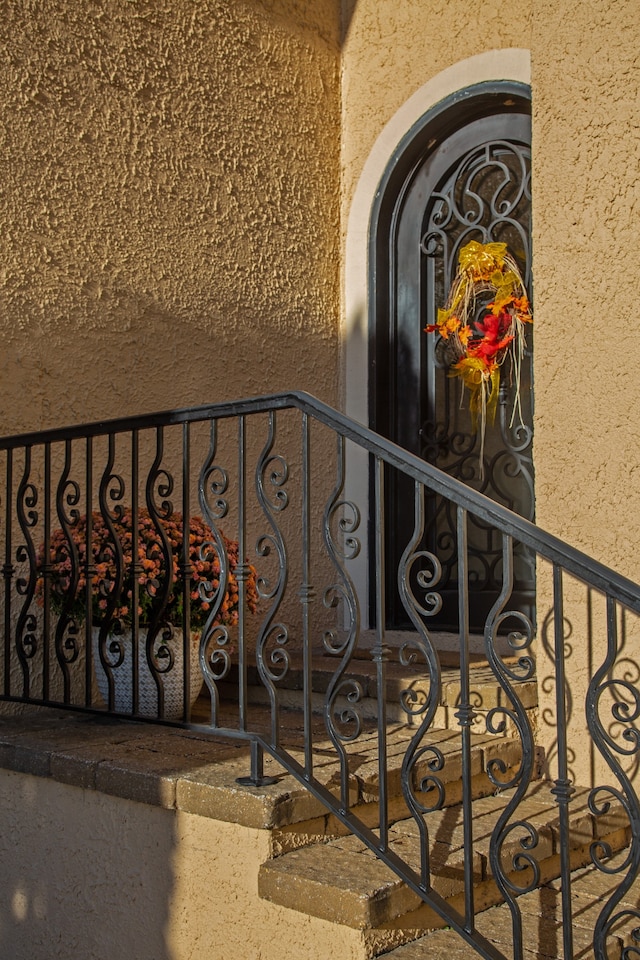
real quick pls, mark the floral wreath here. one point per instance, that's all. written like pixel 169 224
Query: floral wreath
pixel 478 355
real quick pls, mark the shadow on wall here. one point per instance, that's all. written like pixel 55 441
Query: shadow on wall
pixel 81 874
pixel 348 10
pixel 157 364
pixel 601 668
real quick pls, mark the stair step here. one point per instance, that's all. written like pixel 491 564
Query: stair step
pixel 295 804
pixel 486 692
pixel 342 881
pixel 542 922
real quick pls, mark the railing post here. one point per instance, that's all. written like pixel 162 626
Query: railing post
pixel 306 595
pixel 256 778
pixel 381 653
pixel 563 788
pixel 465 716
pixel 241 574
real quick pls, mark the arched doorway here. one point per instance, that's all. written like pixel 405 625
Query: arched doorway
pixel 462 173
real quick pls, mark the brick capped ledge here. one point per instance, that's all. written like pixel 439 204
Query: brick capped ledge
pixel 162 766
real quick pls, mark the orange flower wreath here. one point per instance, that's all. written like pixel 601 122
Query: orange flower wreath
pixel 485 268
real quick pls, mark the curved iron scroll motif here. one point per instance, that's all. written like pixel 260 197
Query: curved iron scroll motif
pixel 27 624
pixel 110 561
pixel 343 726
pixel 487 197
pixel 272 473
pixel 215 656
pixel 66 643
pixel 421 764
pixel 160 642
pixel 523 862
pixel 625 711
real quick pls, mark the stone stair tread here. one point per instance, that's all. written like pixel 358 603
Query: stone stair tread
pixel 484 749
pixel 542 940
pixel 342 881
pixel 289 802
pixel 542 923
pixel 364 751
pixel 354 889
pixel 399 677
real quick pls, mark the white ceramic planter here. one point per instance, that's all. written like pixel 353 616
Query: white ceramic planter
pixel 172 680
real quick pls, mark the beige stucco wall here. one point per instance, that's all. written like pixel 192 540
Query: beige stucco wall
pixel 586 113
pixel 85 876
pixel 586 127
pixel 169 200
pixel 392 48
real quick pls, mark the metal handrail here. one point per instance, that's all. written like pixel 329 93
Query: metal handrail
pixel 552 548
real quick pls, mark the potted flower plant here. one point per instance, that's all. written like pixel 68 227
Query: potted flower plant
pixel 149 568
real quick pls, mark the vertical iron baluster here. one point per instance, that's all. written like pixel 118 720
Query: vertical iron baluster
pixel 306 595
pixel 158 627
pixel 8 571
pixel 256 776
pixel 110 586
pixel 88 576
pixel 136 572
pixel 67 495
pixel 497 771
pixel 26 641
pixel 186 569
pixel 381 651
pixel 212 488
pixel 46 623
pixel 272 662
pixel 414 706
pixel 342 591
pixel 465 716
pixel 624 706
pixel 563 788
pixel 241 572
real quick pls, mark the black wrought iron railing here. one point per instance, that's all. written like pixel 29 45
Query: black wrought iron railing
pixel 166 567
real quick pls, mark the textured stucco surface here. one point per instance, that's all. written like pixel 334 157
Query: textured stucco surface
pixel 85 876
pixel 586 132
pixel 586 81
pixel 392 47
pixel 169 200
pixel 586 192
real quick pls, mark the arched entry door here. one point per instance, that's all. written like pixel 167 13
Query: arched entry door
pixel 463 173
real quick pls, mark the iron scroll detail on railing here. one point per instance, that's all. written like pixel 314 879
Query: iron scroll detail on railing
pixel 288 499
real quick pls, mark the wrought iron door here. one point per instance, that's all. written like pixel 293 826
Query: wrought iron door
pixel 473 184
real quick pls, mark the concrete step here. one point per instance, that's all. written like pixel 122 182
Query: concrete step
pixel 543 923
pixel 402 679
pixel 343 882
pixel 364 771
pixel 365 780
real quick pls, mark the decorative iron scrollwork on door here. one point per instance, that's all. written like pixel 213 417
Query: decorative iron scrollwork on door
pixel 487 198
pixel 461 174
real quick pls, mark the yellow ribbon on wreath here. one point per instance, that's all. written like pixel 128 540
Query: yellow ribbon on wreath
pixel 485 269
